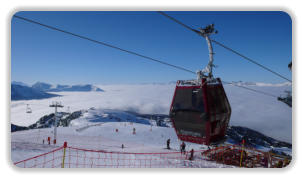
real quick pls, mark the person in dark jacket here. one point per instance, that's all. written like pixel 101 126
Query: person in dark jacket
pixel 168 143
pixel 182 147
pixel 191 157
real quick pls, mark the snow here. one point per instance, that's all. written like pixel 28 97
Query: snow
pixel 102 136
pixel 256 111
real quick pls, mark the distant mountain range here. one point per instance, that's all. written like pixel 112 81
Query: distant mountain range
pixel 40 90
pixel 20 92
pixel 59 88
pixel 19 83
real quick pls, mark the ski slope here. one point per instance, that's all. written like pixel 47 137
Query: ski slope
pixel 102 136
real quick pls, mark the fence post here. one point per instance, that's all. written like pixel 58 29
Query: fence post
pixel 64 150
pixel 243 141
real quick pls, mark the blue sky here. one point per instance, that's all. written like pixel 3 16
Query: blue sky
pixel 41 54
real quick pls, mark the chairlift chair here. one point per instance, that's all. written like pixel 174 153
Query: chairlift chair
pixel 28 109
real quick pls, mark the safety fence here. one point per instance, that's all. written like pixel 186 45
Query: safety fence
pixel 71 157
pixel 82 158
pixel 52 159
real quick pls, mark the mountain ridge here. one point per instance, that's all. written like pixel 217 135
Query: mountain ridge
pixel 40 90
pixel 60 88
pixel 19 92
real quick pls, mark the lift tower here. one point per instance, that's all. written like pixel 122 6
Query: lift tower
pixel 56 105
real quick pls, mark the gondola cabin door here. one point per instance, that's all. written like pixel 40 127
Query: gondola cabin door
pixel 200 112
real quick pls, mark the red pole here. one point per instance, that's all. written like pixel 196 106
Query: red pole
pixel 64 151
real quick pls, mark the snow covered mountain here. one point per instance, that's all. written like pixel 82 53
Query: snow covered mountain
pixel 87 87
pixel 60 88
pixel 19 92
pixel 41 86
pixel 15 128
pixel 19 83
pixel 40 90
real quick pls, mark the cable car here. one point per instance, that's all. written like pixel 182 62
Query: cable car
pixel 200 110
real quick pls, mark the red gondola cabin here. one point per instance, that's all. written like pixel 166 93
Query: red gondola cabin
pixel 200 112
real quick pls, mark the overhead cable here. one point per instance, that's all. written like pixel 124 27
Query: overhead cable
pixel 130 52
pixel 254 90
pixel 103 43
pixel 250 60
pixel 227 48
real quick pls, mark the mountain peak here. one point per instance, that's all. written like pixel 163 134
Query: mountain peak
pixel 41 86
pixel 19 83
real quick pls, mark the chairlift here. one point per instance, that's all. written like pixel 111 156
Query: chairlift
pixel 286 99
pixel 28 109
pixel 200 110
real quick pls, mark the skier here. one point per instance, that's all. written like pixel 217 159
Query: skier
pixel 122 146
pixel 168 143
pixel 134 131
pixel 43 141
pixel 183 147
pixel 191 157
